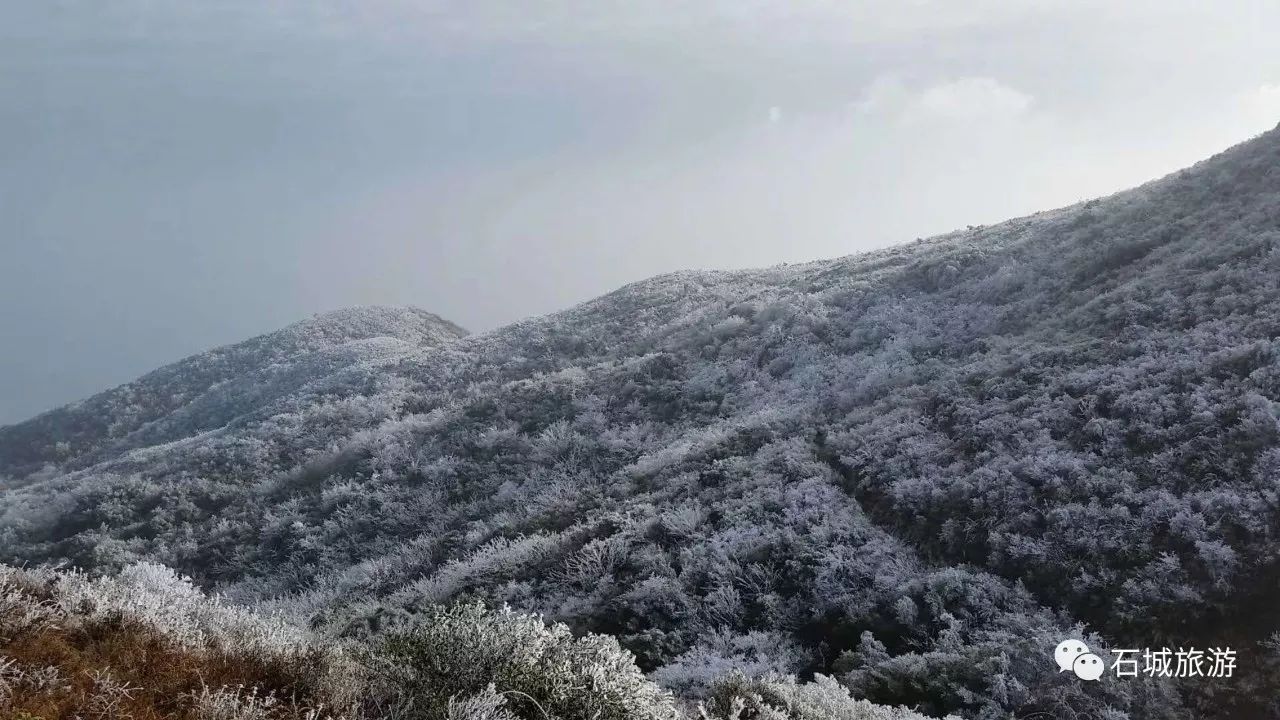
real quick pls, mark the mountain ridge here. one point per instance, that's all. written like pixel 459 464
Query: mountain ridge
pixel 294 355
pixel 912 470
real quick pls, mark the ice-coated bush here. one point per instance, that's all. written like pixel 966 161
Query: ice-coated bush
pixel 154 594
pixel 776 697
pixel 147 644
pixel 451 657
pixel 487 705
pixel 720 654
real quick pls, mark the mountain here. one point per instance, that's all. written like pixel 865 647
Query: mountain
pixel 216 388
pixel 913 470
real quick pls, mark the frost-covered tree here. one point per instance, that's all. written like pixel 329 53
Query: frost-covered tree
pixel 906 470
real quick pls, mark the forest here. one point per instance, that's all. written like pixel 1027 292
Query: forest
pixel 896 478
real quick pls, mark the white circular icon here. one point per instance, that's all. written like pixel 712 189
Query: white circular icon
pixel 1088 666
pixel 1067 652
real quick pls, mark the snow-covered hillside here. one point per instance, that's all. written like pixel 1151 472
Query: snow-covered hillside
pixel 913 470
pixel 210 390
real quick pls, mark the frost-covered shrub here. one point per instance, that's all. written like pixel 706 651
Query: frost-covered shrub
pixel 156 595
pixel 721 654
pixel 240 703
pixel 457 654
pixel 489 704
pixel 597 559
pixel 777 697
pixel 20 610
pixel 499 558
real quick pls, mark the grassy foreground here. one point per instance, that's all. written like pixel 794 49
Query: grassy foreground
pixel 146 645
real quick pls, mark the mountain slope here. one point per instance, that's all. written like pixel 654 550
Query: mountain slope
pixel 915 470
pixel 211 389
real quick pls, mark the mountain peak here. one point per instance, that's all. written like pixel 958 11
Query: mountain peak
pixel 210 389
pixel 877 469
pixel 358 322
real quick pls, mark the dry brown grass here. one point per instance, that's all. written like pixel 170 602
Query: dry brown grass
pixel 125 670
pixel 65 666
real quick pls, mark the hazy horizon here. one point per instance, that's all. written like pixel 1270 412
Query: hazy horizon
pixel 180 176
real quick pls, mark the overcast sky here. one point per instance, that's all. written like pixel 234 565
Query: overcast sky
pixel 175 174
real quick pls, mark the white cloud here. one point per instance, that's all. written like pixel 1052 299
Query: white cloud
pixel 972 98
pixel 966 99
pixel 885 93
